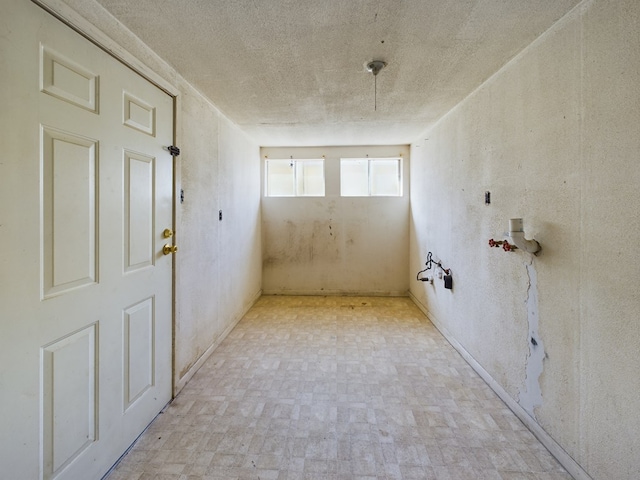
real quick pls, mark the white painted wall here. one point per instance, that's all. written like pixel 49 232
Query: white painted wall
pixel 219 262
pixel 554 136
pixel 332 244
pixel 218 267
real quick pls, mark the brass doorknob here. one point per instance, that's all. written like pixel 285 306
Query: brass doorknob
pixel 168 233
pixel 168 249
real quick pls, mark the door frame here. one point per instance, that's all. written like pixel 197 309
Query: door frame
pixel 78 21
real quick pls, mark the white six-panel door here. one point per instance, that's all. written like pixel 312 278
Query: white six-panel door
pixel 86 322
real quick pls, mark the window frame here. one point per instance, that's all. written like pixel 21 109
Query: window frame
pixel 298 169
pixel 370 161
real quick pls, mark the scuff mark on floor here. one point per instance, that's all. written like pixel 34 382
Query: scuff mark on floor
pixel 531 397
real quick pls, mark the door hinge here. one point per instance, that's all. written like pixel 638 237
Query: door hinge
pixel 173 150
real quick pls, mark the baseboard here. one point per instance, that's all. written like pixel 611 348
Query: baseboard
pixel 574 469
pixel 180 384
pixel 336 293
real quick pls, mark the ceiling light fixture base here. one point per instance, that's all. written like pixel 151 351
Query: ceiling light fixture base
pixel 375 66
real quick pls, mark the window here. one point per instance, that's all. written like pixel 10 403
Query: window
pixel 364 177
pixel 294 178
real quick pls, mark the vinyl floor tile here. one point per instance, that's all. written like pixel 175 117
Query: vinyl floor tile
pixel 358 388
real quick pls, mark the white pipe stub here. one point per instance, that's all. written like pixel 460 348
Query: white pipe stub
pixel 516 233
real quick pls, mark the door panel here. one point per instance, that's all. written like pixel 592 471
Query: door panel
pixel 138 114
pixel 85 288
pixel 69 399
pixel 68 198
pixel 139 347
pixel 67 80
pixel 139 210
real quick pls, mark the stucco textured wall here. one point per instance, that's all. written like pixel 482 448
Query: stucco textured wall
pixel 333 244
pixel 554 136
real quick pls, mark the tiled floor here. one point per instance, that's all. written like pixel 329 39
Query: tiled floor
pixel 337 388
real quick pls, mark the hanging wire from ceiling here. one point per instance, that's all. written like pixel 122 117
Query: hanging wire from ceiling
pixel 374 67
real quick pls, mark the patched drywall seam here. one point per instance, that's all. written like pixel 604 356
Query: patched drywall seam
pixel 531 397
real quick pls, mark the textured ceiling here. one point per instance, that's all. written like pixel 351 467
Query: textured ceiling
pixel 292 72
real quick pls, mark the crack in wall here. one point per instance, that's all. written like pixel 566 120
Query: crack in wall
pixel 531 396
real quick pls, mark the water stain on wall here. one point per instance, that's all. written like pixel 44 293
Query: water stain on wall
pixel 302 243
